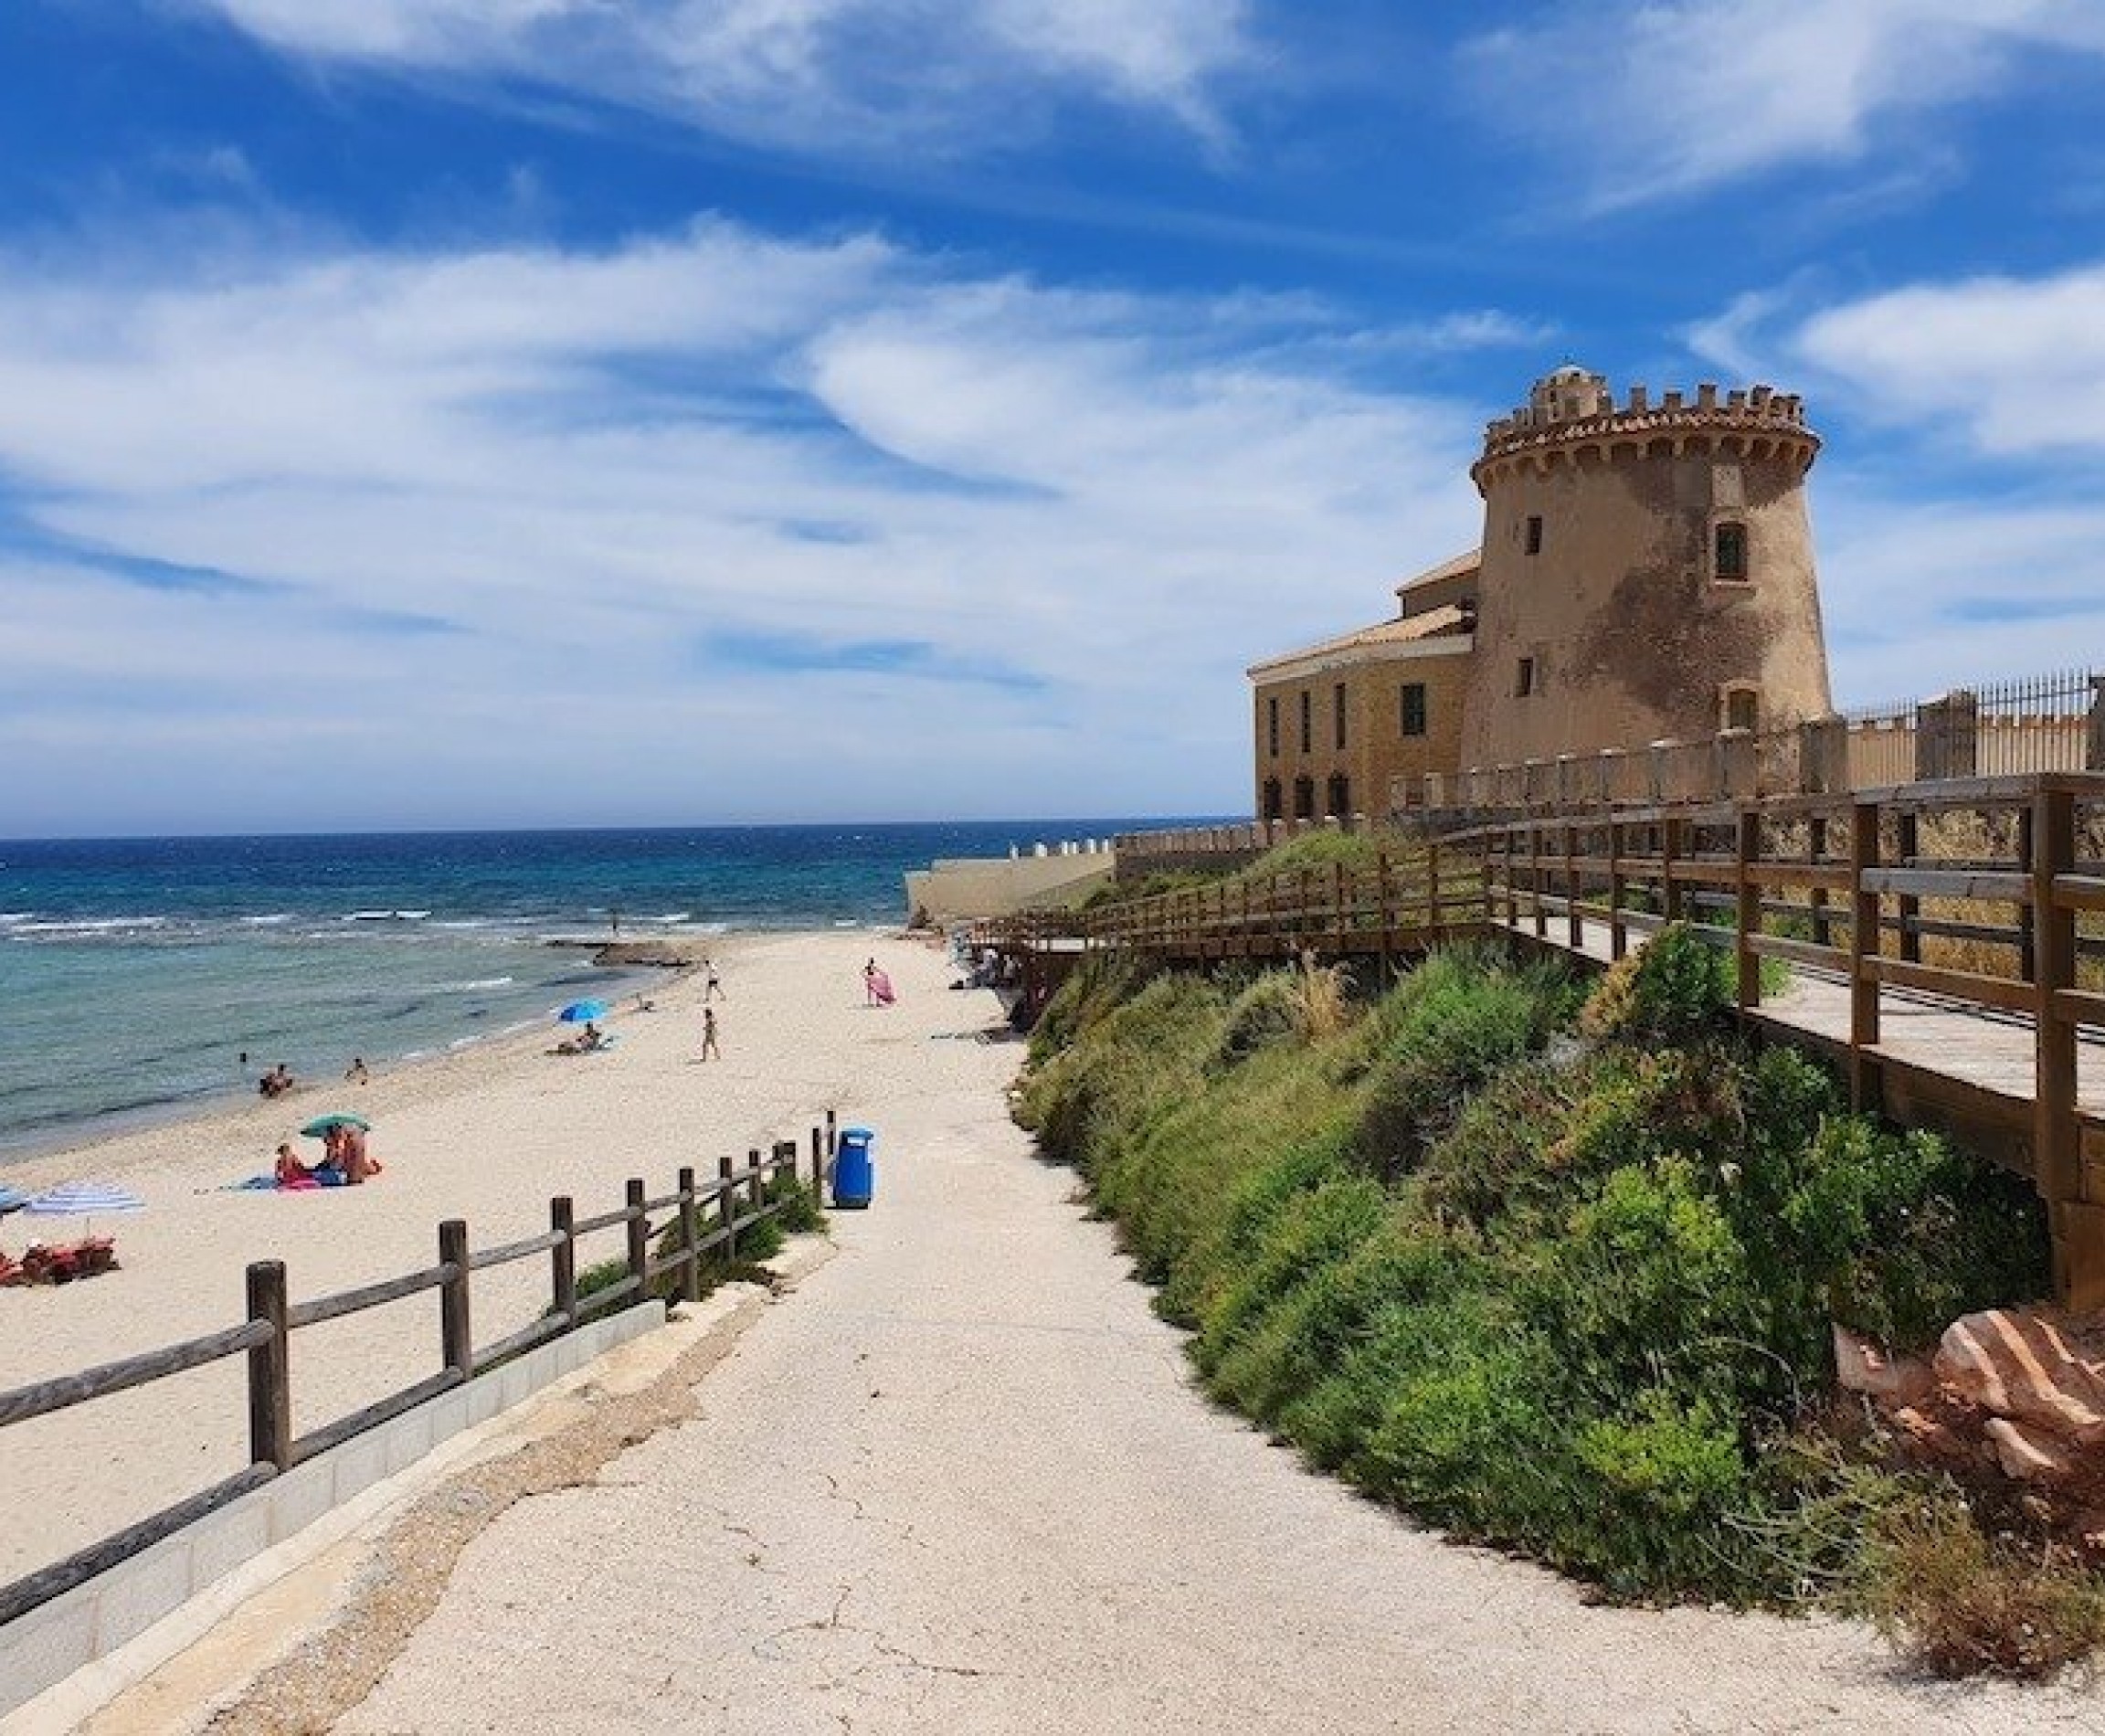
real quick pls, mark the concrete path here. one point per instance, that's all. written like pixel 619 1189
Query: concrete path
pixel 960 1483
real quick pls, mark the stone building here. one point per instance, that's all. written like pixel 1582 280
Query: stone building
pixel 1647 574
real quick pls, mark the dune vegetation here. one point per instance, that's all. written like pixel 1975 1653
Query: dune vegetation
pixel 1557 1273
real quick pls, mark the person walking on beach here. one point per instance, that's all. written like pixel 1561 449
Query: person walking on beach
pixel 712 988
pixel 709 1048
pixel 355 1072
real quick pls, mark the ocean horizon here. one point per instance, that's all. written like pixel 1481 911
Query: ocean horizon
pixel 140 970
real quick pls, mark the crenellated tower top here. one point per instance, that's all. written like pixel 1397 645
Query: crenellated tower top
pixel 1571 414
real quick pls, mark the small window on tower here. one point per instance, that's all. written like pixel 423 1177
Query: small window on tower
pixel 1535 532
pixel 1272 727
pixel 1742 708
pixel 1307 720
pixel 1732 553
pixel 1337 714
pixel 1524 679
pixel 1414 708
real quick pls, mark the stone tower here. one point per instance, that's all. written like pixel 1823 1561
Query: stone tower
pixel 1647 571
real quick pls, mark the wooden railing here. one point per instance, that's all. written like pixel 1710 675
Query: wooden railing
pixel 711 1214
pixel 1406 901
pixel 1982 899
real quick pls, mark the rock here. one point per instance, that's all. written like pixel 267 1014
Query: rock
pixel 1863 1365
pixel 2028 1367
pixel 668 954
pixel 2030 1454
pixel 1931 1437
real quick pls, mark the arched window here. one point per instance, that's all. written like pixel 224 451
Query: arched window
pixel 1340 794
pixel 1729 552
pixel 1303 797
pixel 1274 806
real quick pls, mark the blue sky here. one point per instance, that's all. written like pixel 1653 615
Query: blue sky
pixel 485 412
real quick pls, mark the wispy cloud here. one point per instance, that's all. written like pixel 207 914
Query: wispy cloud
pixel 2000 365
pixel 912 515
pixel 828 77
pixel 1668 97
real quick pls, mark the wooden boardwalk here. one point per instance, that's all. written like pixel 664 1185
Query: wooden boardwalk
pixel 1946 943
pixel 1975 1047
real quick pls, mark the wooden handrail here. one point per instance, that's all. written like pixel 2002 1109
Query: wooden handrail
pixel 265 1337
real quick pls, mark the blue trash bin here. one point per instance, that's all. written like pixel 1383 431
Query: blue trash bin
pixel 854 1168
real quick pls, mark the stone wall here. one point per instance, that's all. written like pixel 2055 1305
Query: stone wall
pixel 1376 751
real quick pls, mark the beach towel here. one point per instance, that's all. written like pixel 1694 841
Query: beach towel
pixel 881 988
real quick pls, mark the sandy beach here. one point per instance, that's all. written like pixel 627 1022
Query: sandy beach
pixel 488 1134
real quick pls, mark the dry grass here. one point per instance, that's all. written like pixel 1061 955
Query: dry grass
pixel 1961 1602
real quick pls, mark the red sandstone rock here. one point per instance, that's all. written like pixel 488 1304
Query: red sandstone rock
pixel 2028 1367
pixel 1863 1365
pixel 2030 1453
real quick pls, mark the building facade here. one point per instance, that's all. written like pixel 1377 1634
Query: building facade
pixel 1647 574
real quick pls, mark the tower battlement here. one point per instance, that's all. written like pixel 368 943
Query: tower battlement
pixel 1572 413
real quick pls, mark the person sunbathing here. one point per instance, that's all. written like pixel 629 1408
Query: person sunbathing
pixel 352 1156
pixel 290 1168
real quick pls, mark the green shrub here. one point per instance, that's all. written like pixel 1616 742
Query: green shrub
pixel 1671 989
pixel 1576 1305
pixel 1450 1028
pixel 1267 1011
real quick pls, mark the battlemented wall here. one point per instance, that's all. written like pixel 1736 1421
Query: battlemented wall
pixel 1604 615
pixel 1647 574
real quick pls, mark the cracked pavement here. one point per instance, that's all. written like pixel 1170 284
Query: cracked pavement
pixel 960 1482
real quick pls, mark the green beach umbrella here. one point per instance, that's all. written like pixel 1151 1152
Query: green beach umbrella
pixel 320 1127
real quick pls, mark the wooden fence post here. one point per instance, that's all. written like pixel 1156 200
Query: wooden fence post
pixel 1618 930
pixel 1384 912
pixel 2027 918
pixel 1535 879
pixel 832 1135
pixel 727 1201
pixel 1575 922
pixel 817 1167
pixel 756 1181
pixel 690 1233
pixel 1670 905
pixel 1865 1090
pixel 269 1369
pixel 1746 917
pixel 456 1328
pixel 1910 846
pixel 639 1235
pixel 1816 848
pixel 2058 1129
pixel 563 1258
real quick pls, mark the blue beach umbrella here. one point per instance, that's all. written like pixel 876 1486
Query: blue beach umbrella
pixel 12 1199
pixel 583 1011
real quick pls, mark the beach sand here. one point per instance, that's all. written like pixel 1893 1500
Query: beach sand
pixel 488 1134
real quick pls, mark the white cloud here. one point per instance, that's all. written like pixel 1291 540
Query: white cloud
pixel 2000 365
pixel 530 535
pixel 1668 98
pixel 832 77
pixel 2017 366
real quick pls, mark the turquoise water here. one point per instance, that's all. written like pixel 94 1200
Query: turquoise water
pixel 136 972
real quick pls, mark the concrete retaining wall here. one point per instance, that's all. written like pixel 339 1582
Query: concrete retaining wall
pixel 91 1621
pixel 963 887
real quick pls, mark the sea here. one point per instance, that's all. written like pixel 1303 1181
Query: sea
pixel 141 978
